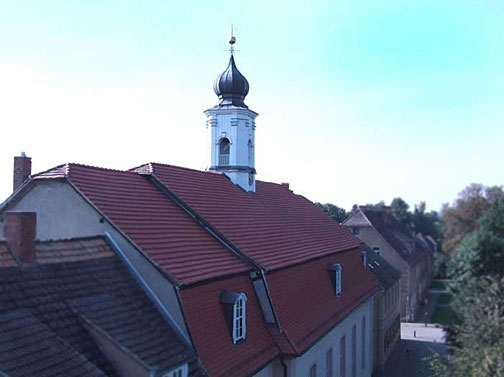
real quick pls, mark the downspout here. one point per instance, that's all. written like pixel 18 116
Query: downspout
pixel 284 365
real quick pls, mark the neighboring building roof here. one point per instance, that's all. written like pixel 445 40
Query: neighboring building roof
pixel 356 219
pixel 30 348
pixel 273 226
pixel 165 233
pixel 387 275
pixel 54 297
pixel 391 230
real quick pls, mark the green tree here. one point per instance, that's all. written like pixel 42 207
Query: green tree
pixel 477 272
pixel 462 216
pixel 427 223
pixel 400 209
pixel 335 212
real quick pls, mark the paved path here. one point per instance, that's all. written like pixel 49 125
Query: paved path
pixel 418 342
pixel 408 356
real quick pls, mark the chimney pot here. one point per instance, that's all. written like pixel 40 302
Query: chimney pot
pixel 20 233
pixel 22 170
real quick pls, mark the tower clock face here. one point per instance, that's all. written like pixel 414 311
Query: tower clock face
pixel 251 179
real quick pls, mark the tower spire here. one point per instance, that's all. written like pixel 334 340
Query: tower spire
pixel 232 126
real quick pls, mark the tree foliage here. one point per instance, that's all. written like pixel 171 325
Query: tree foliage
pixel 335 212
pixel 461 218
pixel 477 273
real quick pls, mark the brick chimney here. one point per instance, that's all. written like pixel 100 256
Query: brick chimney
pixel 22 169
pixel 19 233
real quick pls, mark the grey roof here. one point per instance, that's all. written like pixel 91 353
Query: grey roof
pixel 393 232
pixel 51 295
pixel 130 324
pixel 356 219
pixel 387 275
pixel 24 338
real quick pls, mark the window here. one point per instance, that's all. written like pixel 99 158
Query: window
pixel 224 148
pixel 234 307
pixel 363 345
pixel 329 363
pixel 338 280
pixel 179 372
pixel 342 357
pixel 376 250
pixel 239 325
pixel 364 258
pixel 335 273
pixel 355 231
pixel 354 351
pixel 313 370
pixel 249 145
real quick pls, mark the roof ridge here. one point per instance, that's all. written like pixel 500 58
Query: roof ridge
pixel 82 238
pixel 182 168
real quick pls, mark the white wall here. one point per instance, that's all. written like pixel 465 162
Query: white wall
pixel 300 367
pixel 237 125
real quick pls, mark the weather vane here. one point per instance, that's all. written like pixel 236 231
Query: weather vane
pixel 232 41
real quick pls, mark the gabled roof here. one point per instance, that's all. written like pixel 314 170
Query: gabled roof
pixel 273 226
pixel 392 231
pixel 357 219
pixel 48 298
pixel 173 240
pixel 387 275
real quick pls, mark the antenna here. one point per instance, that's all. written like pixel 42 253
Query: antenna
pixel 232 40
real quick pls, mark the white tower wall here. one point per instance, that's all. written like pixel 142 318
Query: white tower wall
pixel 238 126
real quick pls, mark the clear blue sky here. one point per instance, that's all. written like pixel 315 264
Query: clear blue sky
pixel 358 101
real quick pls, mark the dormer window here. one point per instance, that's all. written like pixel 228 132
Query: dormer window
pixel 224 148
pixel 234 304
pixel 355 231
pixel 335 271
pixel 364 258
pixel 182 371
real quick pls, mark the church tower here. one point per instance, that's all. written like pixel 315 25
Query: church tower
pixel 232 126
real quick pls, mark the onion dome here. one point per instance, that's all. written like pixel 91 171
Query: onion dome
pixel 231 86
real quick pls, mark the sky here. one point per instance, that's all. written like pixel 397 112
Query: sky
pixel 358 101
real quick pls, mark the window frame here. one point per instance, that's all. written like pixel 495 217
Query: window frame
pixel 329 362
pixel 181 371
pixel 363 341
pixel 239 319
pixel 343 356
pixel 338 279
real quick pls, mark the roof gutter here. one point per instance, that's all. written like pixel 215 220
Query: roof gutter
pixel 270 299
pixel 202 222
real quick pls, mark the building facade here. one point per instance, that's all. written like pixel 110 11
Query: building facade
pixel 379 229
pixel 387 313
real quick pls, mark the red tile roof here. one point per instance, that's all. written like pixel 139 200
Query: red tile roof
pixel 305 299
pixel 273 226
pixel 276 228
pixel 212 339
pixel 167 235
